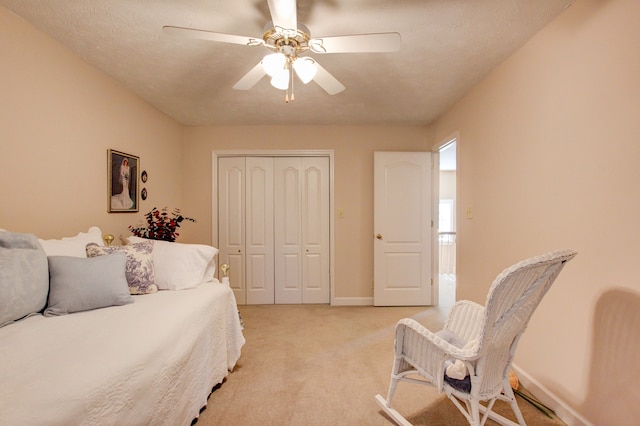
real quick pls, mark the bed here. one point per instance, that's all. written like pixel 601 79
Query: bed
pixel 152 361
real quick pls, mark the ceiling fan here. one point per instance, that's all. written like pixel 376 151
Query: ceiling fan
pixel 289 41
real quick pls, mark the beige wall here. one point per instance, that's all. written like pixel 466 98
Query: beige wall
pixel 548 158
pixel 353 159
pixel 58 117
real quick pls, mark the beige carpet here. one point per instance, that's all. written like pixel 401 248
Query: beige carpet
pixel 322 365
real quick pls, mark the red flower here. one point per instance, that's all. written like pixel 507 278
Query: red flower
pixel 160 226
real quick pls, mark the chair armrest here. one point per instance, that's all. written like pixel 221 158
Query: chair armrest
pixel 409 330
pixel 417 347
pixel 465 320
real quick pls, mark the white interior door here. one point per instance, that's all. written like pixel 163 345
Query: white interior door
pixel 402 229
pixel 301 200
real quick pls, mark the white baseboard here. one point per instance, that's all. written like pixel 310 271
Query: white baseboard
pixel 567 414
pixel 352 301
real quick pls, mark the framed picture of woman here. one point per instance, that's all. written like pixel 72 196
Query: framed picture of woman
pixel 123 170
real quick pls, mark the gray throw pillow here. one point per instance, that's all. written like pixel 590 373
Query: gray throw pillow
pixel 24 276
pixel 81 284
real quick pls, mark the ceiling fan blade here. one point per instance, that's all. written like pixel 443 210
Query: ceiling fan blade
pixel 212 36
pixel 328 82
pixel 375 42
pixel 284 14
pixel 251 78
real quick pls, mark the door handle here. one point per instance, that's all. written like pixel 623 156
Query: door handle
pixel 379 236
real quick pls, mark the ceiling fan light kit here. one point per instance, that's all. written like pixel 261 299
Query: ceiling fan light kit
pixel 305 68
pixel 287 44
pixel 273 62
pixel 280 80
pixel 289 40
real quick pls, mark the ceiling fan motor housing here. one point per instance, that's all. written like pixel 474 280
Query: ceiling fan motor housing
pixel 286 41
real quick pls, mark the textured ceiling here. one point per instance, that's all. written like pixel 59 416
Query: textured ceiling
pixel 447 47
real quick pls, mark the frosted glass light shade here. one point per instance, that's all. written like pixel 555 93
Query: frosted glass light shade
pixel 280 80
pixel 305 68
pixel 273 63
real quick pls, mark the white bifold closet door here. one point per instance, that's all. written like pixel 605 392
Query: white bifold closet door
pixel 301 194
pixel 273 228
pixel 245 226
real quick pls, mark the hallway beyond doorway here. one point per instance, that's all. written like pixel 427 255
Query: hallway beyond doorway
pixel 447 290
pixel 447 221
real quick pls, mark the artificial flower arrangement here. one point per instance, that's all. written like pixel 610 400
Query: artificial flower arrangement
pixel 161 225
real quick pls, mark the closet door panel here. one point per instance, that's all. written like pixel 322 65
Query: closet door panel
pixel 288 267
pixel 231 218
pixel 301 189
pixel 289 190
pixel 315 230
pixel 290 276
pixel 259 230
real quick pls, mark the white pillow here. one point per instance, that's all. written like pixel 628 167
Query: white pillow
pixel 180 266
pixel 73 246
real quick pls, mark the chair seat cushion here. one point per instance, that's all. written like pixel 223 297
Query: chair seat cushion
pixel 463 385
pixel 451 337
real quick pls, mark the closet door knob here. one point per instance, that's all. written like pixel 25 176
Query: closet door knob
pixel 379 236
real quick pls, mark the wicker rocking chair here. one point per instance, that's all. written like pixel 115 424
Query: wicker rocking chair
pixel 470 358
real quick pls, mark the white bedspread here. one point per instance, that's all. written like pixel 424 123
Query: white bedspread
pixel 152 362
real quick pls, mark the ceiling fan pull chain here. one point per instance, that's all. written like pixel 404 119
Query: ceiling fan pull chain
pixel 286 99
pixel 293 98
pixel 290 88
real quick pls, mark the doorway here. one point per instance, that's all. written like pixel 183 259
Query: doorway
pixel 447 189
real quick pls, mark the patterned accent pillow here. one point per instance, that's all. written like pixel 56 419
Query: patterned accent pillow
pixel 139 267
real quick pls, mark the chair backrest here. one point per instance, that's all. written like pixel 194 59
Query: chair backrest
pixel 512 299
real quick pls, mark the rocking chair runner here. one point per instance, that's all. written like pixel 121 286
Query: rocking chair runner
pixel 476 340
